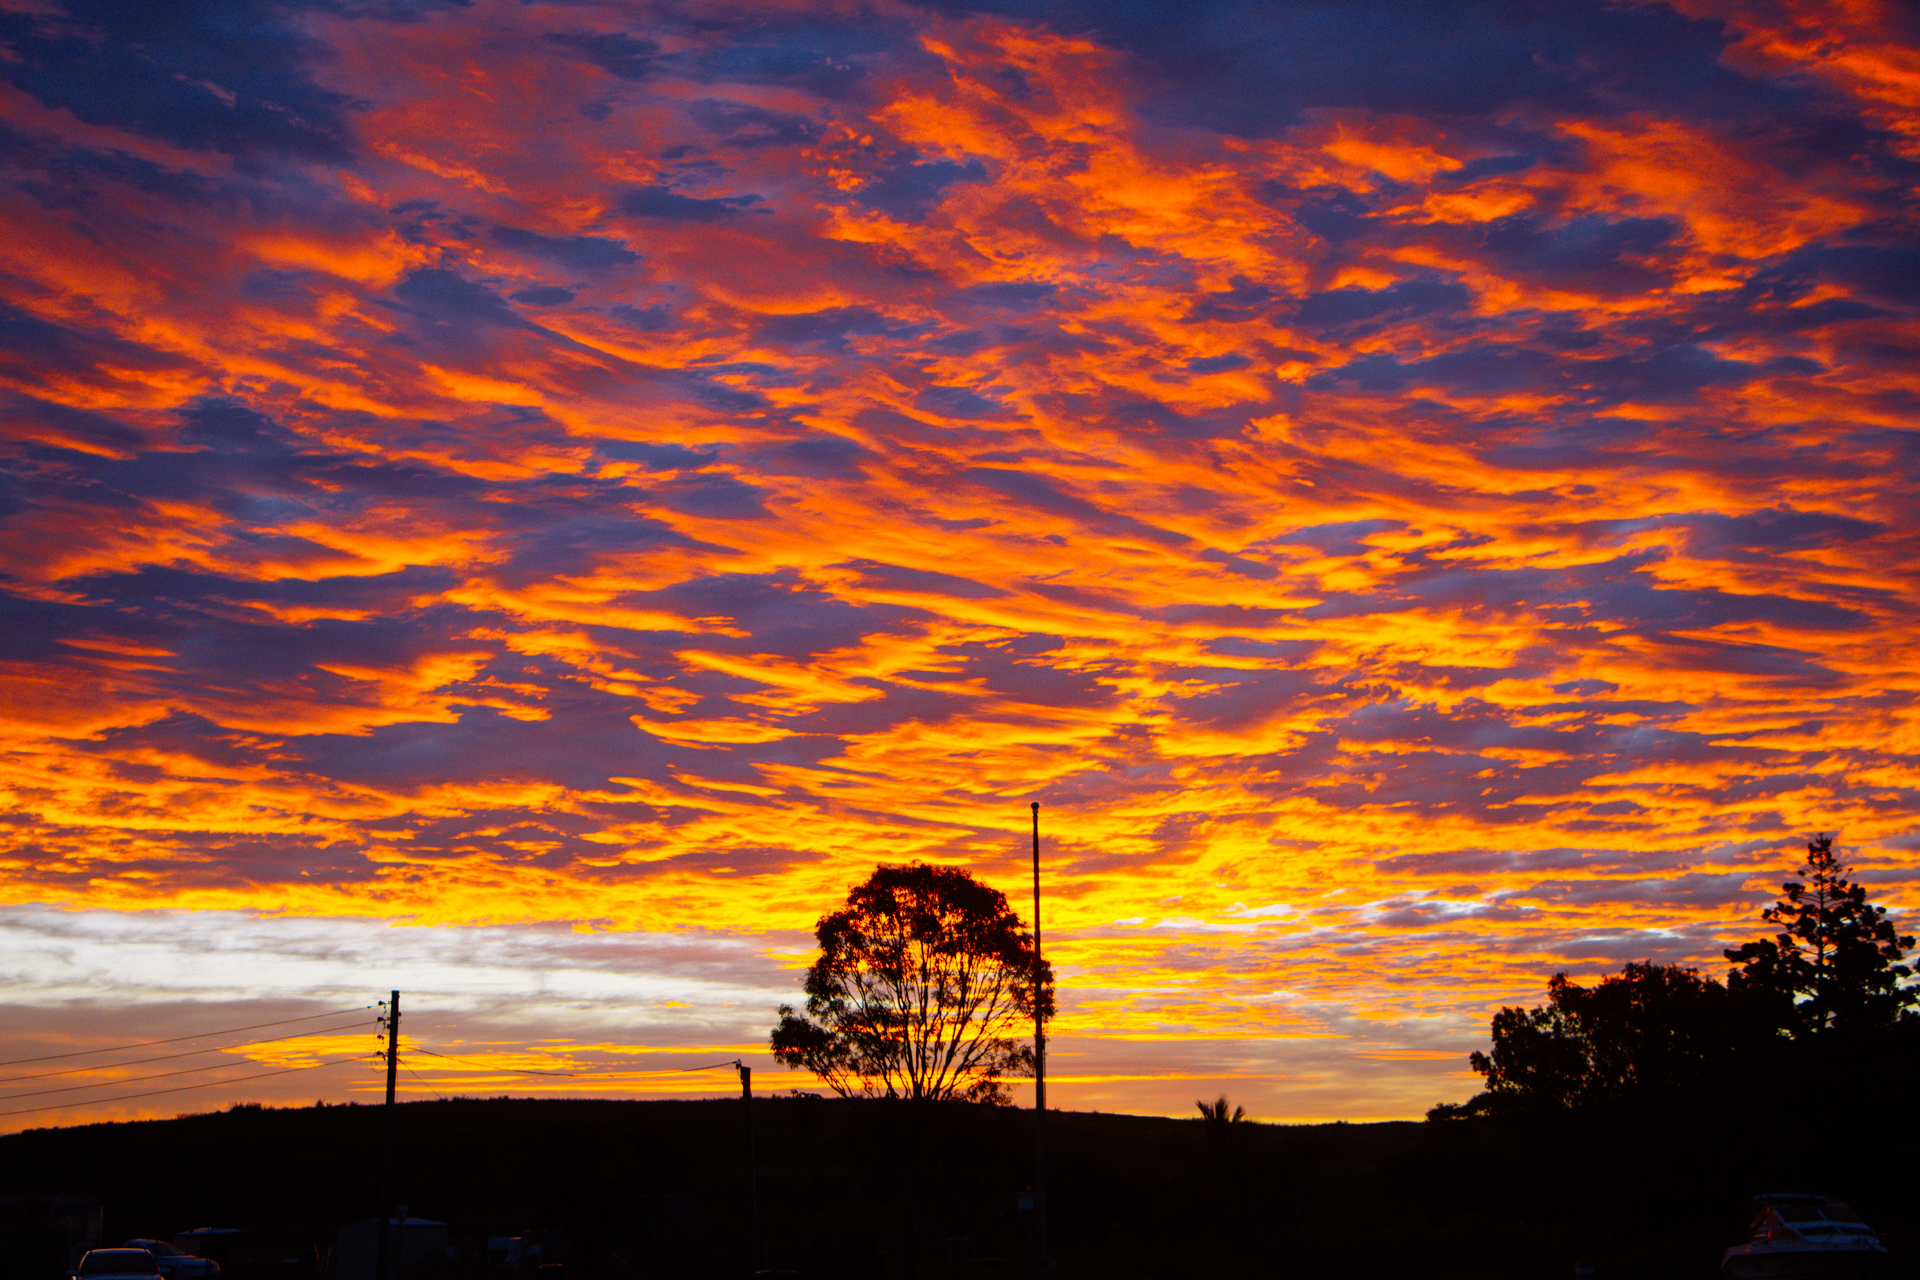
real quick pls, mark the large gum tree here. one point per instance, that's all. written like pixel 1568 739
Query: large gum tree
pixel 924 980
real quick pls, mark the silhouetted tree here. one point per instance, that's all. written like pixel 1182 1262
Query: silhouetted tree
pixel 923 979
pixel 1651 1029
pixel 1217 1118
pixel 1832 979
pixel 1835 966
pixel 1217 1112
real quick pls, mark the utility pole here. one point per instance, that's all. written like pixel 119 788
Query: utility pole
pixel 393 1049
pixel 383 1267
pixel 753 1170
pixel 1039 1058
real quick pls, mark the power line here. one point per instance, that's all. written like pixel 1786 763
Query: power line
pixel 83 1053
pixel 584 1075
pixel 610 1076
pixel 578 1075
pixel 614 1074
pixel 154 1093
pixel 113 1084
pixel 732 1064
pixel 423 1084
pixel 481 1066
pixel 169 1057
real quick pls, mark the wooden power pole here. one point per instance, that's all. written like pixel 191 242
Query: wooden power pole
pixel 1039 1059
pixel 383 1258
pixel 393 1046
pixel 753 1168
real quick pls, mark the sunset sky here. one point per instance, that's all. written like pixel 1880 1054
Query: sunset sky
pixel 526 503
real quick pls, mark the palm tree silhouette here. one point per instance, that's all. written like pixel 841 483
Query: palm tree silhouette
pixel 1216 1115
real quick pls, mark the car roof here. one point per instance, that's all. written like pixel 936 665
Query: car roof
pixel 121 1261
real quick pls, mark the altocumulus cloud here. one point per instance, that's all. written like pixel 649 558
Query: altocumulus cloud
pixel 1411 489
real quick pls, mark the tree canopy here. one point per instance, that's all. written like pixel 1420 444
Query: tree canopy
pixel 1649 1029
pixel 1835 964
pixel 923 980
pixel 1831 979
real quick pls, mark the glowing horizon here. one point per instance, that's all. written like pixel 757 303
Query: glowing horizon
pixel 539 499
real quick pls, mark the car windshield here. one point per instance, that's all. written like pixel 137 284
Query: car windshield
pixel 1798 1212
pixel 158 1248
pixel 103 1262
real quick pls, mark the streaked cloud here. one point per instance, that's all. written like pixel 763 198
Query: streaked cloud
pixel 1423 495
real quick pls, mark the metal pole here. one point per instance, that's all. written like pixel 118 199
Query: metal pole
pixel 382 1267
pixel 753 1169
pixel 1039 1059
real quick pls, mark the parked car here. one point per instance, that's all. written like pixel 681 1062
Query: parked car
pixel 176 1264
pixel 1802 1237
pixel 117 1264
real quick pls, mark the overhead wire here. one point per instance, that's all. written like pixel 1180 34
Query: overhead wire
pixel 575 1075
pixel 169 1057
pixel 613 1074
pixel 423 1084
pixel 204 1084
pixel 283 1022
pixel 111 1084
pixel 520 1071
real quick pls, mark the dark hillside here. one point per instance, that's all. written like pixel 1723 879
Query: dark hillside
pixel 886 1191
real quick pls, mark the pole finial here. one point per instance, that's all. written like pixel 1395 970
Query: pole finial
pixel 1036 806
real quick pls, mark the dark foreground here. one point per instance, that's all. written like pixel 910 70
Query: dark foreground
pixel 874 1190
